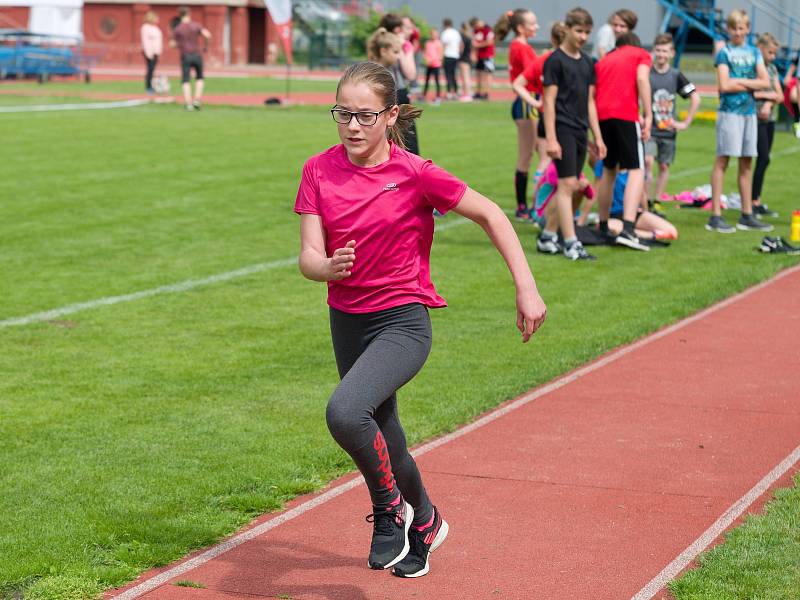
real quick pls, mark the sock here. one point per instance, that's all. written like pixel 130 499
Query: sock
pixel 628 227
pixel 569 241
pixel 796 109
pixel 549 235
pixel 521 185
pixel 603 226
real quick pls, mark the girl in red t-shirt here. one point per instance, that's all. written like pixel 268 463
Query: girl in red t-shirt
pixel 520 55
pixel 366 228
pixel 528 86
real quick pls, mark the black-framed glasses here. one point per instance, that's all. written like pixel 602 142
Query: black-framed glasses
pixel 365 118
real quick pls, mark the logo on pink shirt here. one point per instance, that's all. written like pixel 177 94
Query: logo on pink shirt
pixel 390 187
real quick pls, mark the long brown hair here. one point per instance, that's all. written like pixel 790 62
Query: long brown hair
pixel 379 79
pixel 509 21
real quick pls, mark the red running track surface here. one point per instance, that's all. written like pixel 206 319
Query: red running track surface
pixel 584 489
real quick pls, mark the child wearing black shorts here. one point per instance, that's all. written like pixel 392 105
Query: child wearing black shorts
pixel 569 110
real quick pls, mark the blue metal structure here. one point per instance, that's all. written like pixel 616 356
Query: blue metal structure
pixel 706 16
pixel 24 55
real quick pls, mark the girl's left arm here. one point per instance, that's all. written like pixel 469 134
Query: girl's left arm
pixel 531 310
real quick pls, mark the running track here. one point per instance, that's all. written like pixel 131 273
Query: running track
pixel 589 487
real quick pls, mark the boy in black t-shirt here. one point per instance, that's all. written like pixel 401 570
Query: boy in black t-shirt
pixel 569 110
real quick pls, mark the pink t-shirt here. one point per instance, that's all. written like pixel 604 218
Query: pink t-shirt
pixel 387 210
pixel 434 52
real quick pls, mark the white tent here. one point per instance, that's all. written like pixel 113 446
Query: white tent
pixel 52 17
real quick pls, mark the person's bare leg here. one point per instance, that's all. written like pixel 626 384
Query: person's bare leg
pixel 661 184
pixel 717 176
pixel 605 193
pixel 566 187
pixel 198 90
pixel 648 165
pixel 633 194
pixel 745 178
pixel 526 138
pixel 187 93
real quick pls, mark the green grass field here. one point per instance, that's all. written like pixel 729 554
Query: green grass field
pixel 136 432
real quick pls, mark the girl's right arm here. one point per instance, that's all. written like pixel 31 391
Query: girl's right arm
pixel 313 261
pixel 519 87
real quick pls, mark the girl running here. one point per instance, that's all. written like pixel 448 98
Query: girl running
pixel 366 228
pixel 520 54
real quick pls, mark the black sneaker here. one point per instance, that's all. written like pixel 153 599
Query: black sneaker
pixel 762 210
pixel 389 535
pixel 415 564
pixel 197 105
pixel 750 223
pixel 631 241
pixel 577 252
pixel 776 245
pixel 547 245
pixel 719 225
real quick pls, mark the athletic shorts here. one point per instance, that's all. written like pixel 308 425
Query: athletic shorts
pixel 485 64
pixel 737 135
pixel 522 110
pixel 623 140
pixel 663 149
pixel 189 62
pixel 573 151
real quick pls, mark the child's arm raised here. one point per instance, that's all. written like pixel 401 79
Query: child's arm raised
pixel 531 310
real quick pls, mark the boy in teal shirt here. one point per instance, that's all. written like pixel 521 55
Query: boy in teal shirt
pixel 740 72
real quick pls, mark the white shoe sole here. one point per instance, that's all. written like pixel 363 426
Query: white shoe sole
pixel 621 241
pixel 748 228
pixel 731 230
pixel 437 541
pixel 406 547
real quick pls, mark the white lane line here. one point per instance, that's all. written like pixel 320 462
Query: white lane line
pixel 164 289
pixel 183 286
pixel 707 169
pixel 149 585
pixel 80 106
pixel 720 525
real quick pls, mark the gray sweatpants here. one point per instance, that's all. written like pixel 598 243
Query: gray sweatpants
pixel 376 354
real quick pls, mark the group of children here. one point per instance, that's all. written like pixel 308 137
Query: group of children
pixel 626 99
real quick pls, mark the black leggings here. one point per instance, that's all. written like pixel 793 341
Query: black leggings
pixel 435 72
pixel 766 134
pixel 151 67
pixel 450 65
pixel 376 354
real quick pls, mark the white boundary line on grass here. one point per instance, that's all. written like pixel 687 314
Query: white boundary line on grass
pixel 720 525
pixel 80 106
pixel 737 509
pixel 182 286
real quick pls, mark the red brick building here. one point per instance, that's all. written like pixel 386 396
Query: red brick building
pixel 241 30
